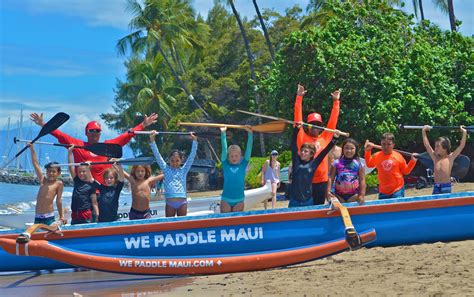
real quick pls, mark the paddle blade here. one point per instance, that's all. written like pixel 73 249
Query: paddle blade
pixel 270 127
pixel 54 123
pixel 110 150
pixel 137 161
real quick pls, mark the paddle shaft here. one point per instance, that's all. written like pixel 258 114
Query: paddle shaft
pixel 131 161
pixel 159 132
pixel 15 140
pixel 468 128
pixel 292 122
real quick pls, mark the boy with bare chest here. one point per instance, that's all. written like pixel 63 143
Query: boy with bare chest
pixel 443 159
pixel 50 188
pixel 141 181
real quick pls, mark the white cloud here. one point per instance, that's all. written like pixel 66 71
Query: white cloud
pixel 96 13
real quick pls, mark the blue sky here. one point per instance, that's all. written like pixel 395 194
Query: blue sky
pixel 59 55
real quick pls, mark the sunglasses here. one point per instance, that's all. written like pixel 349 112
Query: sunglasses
pixel 93 131
pixel 274 154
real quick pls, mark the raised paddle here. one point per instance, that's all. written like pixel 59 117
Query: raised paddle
pixel 110 150
pixel 54 123
pixel 270 127
pixel 408 127
pixel 130 161
pixel 179 133
pixel 292 122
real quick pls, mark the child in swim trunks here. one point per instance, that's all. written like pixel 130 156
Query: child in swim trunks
pixel 141 180
pixel 84 196
pixel 175 177
pixel 391 166
pixel 234 167
pixel 109 193
pixel 443 159
pixel 50 188
pixel 348 174
pixel 303 167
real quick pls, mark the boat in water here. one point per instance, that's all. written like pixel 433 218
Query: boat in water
pixel 233 242
pixel 15 217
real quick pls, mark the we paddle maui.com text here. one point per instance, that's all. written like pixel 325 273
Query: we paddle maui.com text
pixel 168 264
pixel 192 238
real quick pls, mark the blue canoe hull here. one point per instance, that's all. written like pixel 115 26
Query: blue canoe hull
pixel 403 221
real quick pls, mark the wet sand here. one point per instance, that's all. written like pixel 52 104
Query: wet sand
pixel 441 269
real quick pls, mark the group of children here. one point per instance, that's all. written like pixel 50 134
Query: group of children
pixel 96 202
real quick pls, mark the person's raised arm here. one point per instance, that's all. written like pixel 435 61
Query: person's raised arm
pixel 426 142
pixel 294 146
pixel 62 137
pixel 223 144
pixel 192 155
pixel 59 200
pixel 368 146
pixel 333 118
pixel 119 168
pixel 319 158
pixel 407 168
pixel 36 166
pixel 125 138
pixel 248 149
pixel 156 152
pixel 298 112
pixel 72 168
pixel 461 146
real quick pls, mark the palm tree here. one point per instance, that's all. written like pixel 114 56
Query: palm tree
pixel 452 17
pixel 161 26
pixel 147 88
pixel 264 29
pixel 250 60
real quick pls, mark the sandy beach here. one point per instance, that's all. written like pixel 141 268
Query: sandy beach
pixel 441 269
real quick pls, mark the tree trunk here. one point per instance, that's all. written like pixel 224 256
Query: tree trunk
pixel 422 13
pixel 265 31
pixel 178 79
pixel 252 69
pixel 452 18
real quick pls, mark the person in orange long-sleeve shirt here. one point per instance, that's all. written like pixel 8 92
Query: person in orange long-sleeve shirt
pixel 320 139
pixel 391 166
pixel 93 131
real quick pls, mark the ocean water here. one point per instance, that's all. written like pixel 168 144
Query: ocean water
pixel 24 196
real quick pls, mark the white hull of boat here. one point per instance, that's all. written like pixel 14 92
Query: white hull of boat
pixel 15 218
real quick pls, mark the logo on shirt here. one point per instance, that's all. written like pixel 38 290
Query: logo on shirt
pixel 234 170
pixel 387 165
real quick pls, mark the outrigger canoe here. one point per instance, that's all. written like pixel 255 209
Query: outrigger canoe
pixel 12 217
pixel 250 240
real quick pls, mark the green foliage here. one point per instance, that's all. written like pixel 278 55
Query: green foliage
pixel 390 72
pixel 372 180
pixel 252 178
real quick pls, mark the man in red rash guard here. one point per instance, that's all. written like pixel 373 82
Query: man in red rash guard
pixel 93 131
pixel 318 138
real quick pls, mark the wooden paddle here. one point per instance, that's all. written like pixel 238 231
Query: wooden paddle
pixel 352 237
pixel 292 122
pixel 468 128
pixel 270 127
pixel 54 123
pixel 130 161
pixel 110 150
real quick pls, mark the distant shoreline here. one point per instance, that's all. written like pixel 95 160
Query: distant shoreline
pixel 29 180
